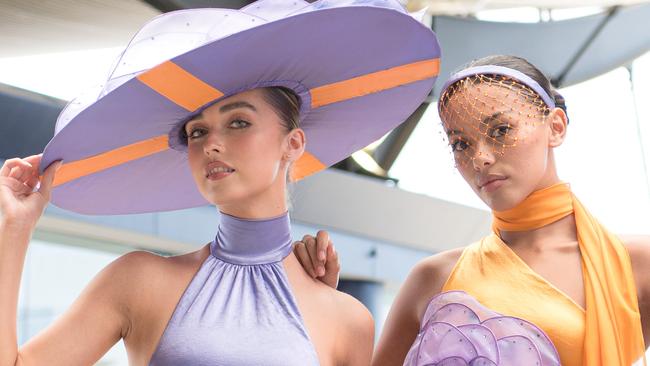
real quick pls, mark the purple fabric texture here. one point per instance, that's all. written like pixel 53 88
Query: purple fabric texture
pixel 457 330
pixel 239 309
pixel 269 43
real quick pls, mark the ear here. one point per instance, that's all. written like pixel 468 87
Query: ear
pixel 295 145
pixel 557 123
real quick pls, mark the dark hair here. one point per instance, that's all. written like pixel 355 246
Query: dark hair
pixel 525 67
pixel 286 104
pixel 284 101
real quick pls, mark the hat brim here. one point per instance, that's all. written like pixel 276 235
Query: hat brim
pixel 357 80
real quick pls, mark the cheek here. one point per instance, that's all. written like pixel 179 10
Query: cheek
pixel 527 164
pixel 533 154
pixel 467 172
pixel 258 156
pixel 194 154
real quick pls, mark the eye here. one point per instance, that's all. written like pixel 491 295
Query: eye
pixel 459 145
pixel 196 133
pixel 500 131
pixel 238 123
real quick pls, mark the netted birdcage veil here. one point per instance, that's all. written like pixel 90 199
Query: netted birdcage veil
pixel 490 109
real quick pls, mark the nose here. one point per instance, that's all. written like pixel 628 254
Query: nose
pixel 213 143
pixel 483 155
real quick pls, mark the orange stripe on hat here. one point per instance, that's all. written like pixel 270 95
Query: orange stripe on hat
pixel 306 165
pixel 179 86
pixel 374 82
pixel 80 168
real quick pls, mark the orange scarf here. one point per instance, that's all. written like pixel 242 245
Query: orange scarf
pixel 613 334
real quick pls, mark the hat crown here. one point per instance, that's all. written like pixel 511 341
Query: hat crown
pixel 175 33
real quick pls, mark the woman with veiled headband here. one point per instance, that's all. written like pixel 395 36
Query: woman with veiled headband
pixel 217 107
pixel 549 277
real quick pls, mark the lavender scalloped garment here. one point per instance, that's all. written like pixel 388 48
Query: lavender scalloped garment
pixel 457 330
pixel 239 308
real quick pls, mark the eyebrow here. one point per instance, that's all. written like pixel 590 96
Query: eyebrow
pixel 198 117
pixel 454 132
pixel 235 105
pixel 223 109
pixel 493 117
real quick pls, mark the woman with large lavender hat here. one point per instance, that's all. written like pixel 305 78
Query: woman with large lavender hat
pixel 220 107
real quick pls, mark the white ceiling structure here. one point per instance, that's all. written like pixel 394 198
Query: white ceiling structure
pixel 468 7
pixel 30 27
pixel 34 26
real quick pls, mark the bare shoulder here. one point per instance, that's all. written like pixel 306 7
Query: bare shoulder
pixel 639 249
pixel 426 280
pixel 434 270
pixel 349 312
pixel 354 313
pixel 356 330
pixel 129 269
pixel 141 275
pixel 636 244
pixel 140 265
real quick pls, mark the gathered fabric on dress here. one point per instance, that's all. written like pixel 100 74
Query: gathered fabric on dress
pixel 239 308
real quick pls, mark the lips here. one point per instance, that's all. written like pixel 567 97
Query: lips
pixel 218 169
pixel 490 180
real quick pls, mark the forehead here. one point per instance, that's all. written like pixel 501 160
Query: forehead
pixel 480 95
pixel 253 94
pixel 252 97
pixel 251 100
pixel 471 101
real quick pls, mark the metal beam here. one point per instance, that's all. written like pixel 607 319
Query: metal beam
pixel 172 5
pixel 548 45
pixel 387 152
pixel 28 121
pixel 559 80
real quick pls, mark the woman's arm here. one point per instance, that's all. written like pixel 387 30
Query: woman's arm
pixel 639 249
pixel 93 323
pixel 12 260
pixel 89 327
pixel 403 321
pixel 402 325
pixel 356 348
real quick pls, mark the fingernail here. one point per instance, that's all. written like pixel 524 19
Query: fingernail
pixel 321 271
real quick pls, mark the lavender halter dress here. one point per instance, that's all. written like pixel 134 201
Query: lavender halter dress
pixel 239 308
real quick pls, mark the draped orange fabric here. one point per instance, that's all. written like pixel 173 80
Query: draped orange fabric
pixel 609 329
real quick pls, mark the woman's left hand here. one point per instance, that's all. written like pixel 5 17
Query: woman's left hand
pixel 319 258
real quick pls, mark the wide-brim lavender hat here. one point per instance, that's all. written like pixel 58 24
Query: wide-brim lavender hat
pixel 360 68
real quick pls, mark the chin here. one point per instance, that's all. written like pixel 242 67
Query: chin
pixel 218 196
pixel 500 201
